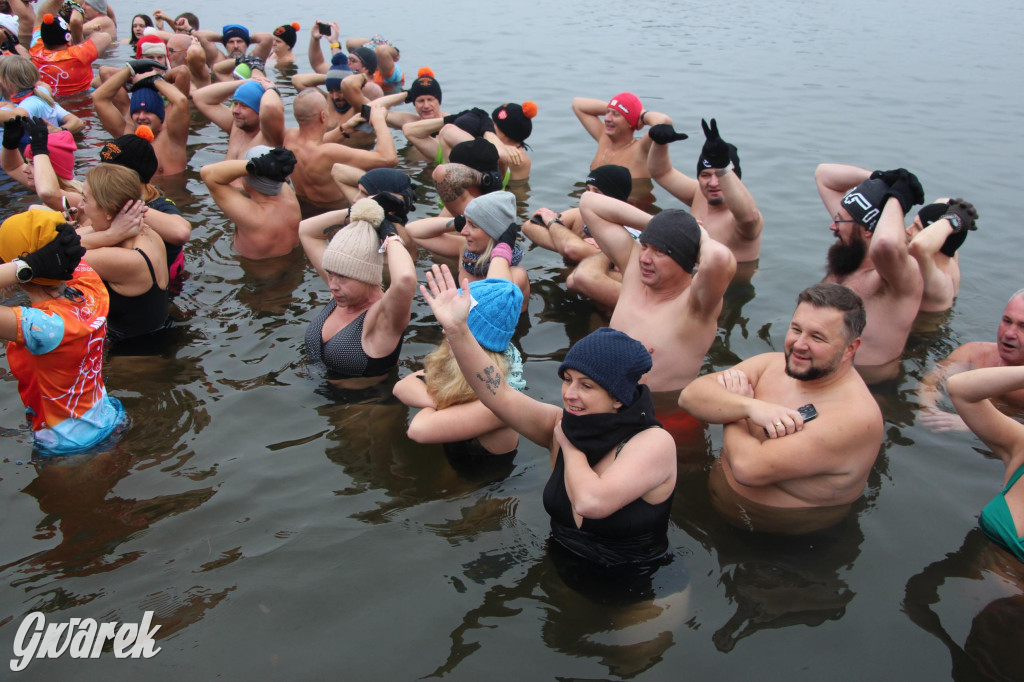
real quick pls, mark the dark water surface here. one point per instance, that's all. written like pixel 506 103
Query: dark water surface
pixel 283 529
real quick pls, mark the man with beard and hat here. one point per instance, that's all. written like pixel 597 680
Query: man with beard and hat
pixel 774 457
pixel 673 279
pixel 236 40
pixel 348 88
pixel 254 117
pixel 717 197
pixel 156 103
pixel 871 255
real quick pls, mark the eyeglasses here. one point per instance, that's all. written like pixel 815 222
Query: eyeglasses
pixel 839 221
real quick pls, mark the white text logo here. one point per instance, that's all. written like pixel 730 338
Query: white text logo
pixel 81 638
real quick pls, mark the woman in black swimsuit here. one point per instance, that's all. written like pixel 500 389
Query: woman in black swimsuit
pixel 129 256
pixel 614 470
pixel 359 332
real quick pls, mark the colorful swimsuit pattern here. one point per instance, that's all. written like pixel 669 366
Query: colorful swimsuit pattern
pixel 58 361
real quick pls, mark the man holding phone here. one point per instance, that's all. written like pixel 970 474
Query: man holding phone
pixel 772 457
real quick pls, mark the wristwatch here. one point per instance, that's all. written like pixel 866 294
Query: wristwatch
pixel 23 271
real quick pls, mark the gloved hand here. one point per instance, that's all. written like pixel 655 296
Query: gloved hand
pixel 457 223
pixel 664 133
pixel 509 235
pixel 59 258
pixel 38 134
pixel 146 82
pixel 254 63
pixel 137 66
pixel 904 186
pixel 961 215
pixel 385 230
pixel 14 128
pixel 475 121
pixel 715 150
pixel 277 164
pixel 394 208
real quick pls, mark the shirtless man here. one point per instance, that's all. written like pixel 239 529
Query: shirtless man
pixel 673 280
pixel 347 90
pixel 266 221
pixel 255 117
pixel 236 40
pixel 717 198
pixel 1007 351
pixel 770 454
pixel 871 255
pixel 315 158
pixel 612 124
pixel 935 234
pixel 425 96
pixel 162 107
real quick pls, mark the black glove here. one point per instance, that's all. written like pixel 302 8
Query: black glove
pixel 14 128
pixel 664 133
pixel 137 66
pixel 277 164
pixel 476 122
pixel 38 133
pixel 509 235
pixel 59 258
pixel 457 223
pixel 961 215
pixel 394 208
pixel 716 150
pixel 386 229
pixel 10 41
pixel 254 63
pixel 904 186
pixel 146 82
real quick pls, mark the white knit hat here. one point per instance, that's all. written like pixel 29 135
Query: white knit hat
pixel 355 251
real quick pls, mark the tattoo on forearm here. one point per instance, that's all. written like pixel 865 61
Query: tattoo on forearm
pixel 492 380
pixel 456 179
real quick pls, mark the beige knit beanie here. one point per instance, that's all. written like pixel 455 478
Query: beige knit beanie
pixel 354 251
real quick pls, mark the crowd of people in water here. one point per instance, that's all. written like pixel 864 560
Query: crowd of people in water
pixel 101 254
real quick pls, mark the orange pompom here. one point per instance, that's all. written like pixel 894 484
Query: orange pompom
pixel 529 109
pixel 295 25
pixel 47 18
pixel 145 132
pixel 425 71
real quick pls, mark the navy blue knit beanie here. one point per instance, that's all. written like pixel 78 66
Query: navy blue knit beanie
pixel 615 360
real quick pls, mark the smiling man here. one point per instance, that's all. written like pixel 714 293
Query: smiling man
pixel 1007 351
pixel 254 117
pixel 717 197
pixel 159 105
pixel 774 459
pixel 673 280
pixel 612 124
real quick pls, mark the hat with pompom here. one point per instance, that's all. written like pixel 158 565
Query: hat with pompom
pixel 150 46
pixel 355 251
pixel 133 151
pixel 425 84
pixel 287 33
pixel 514 120
pixel 54 31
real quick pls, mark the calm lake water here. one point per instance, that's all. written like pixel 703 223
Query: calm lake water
pixel 282 529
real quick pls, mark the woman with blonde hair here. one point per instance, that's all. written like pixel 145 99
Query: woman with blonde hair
pixel 19 81
pixel 129 256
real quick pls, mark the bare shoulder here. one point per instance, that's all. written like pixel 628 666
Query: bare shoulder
pixel 976 353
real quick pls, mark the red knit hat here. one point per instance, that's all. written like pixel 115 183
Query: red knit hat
pixel 628 104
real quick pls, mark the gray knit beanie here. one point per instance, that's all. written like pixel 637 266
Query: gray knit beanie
pixel 493 212
pixel 354 251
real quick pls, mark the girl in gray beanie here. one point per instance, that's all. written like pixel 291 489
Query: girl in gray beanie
pixel 359 332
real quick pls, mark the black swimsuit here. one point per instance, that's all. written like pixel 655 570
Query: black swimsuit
pixel 132 316
pixel 344 351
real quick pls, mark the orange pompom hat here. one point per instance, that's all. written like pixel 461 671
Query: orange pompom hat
pixel 424 85
pixel 134 151
pixel 514 120
pixel 287 33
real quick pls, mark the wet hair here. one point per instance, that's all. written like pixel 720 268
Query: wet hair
pixel 445 382
pixel 21 74
pixel 113 186
pixel 838 297
pixel 131 31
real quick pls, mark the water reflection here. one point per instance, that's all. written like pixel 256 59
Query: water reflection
pixel 980 572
